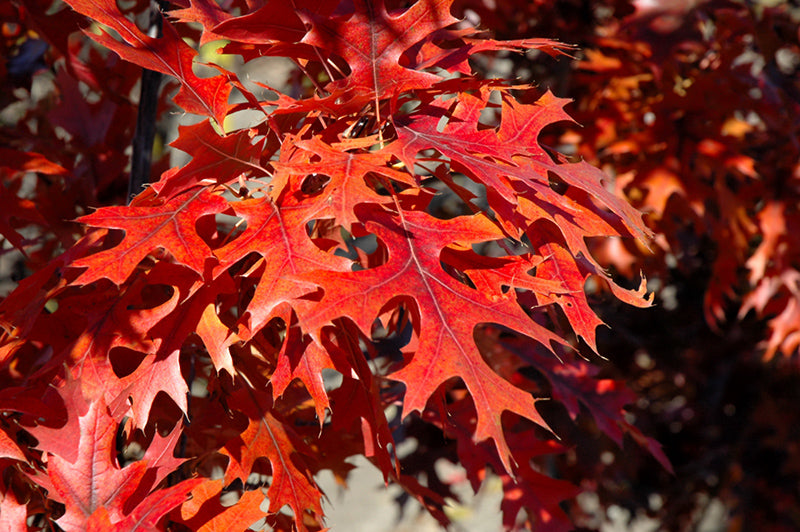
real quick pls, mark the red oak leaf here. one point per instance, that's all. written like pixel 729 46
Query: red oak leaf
pixel 269 436
pixel 455 58
pixel 169 55
pixel 561 267
pixel 207 13
pixel 170 226
pixel 372 41
pixel 509 160
pixel 347 172
pixel 193 309
pixel 125 326
pixel 205 513
pixel 533 491
pixel 277 234
pixel 524 487
pixel 94 481
pixel 215 158
pixel 574 385
pixel 156 373
pixel 447 313
pixel 147 514
pixel 302 359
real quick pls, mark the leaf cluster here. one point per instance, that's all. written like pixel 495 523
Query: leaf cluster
pixel 291 296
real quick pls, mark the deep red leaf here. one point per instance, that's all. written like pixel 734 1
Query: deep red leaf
pixel 276 233
pixel 269 436
pixel 371 40
pixel 447 313
pixel 94 481
pixel 215 159
pixel 169 55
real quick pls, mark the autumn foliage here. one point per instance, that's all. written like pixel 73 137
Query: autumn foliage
pixel 297 293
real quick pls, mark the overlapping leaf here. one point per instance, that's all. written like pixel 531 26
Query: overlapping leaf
pixel 269 437
pixel 346 174
pixel 205 513
pixel 169 55
pixel 171 226
pixel 95 490
pixel 371 40
pixel 277 233
pixel 448 312
pixel 216 158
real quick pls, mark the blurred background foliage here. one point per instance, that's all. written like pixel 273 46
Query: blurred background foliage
pixel 694 108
